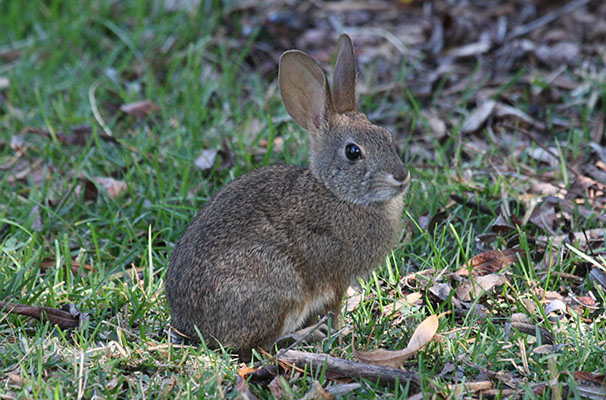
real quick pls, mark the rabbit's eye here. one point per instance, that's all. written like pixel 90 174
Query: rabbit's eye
pixel 352 152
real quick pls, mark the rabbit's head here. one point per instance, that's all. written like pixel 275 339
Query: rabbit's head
pixel 356 159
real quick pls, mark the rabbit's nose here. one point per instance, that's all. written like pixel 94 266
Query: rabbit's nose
pixel 401 174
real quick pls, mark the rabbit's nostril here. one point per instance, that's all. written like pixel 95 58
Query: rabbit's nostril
pixel 401 174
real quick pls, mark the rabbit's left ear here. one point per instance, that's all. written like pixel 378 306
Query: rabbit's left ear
pixel 344 79
pixel 304 90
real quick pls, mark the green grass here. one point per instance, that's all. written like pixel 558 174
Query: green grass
pixel 81 56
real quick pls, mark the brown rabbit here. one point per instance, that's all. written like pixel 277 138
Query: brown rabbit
pixel 282 243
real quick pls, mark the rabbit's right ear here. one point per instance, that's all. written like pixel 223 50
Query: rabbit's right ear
pixel 304 89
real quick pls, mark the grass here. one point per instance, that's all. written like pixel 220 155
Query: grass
pixel 58 248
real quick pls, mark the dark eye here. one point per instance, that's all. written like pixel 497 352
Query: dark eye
pixel 352 152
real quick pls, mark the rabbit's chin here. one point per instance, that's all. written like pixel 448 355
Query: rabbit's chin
pixel 382 195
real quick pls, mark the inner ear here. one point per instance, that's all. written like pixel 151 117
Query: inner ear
pixel 304 89
pixel 344 79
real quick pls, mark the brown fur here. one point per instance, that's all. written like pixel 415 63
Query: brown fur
pixel 282 243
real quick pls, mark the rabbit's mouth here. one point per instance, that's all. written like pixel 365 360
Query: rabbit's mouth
pixel 388 188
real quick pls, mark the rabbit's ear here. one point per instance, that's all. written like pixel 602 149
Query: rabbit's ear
pixel 304 89
pixel 344 79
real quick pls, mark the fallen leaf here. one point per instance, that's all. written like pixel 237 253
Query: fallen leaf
pixel 275 387
pixel 440 290
pixel 206 159
pixel 490 261
pixel 554 306
pixel 63 319
pixel 389 358
pixel 317 392
pixel 475 287
pixel 500 225
pixel 459 389
pixel 139 109
pixel 478 117
pixel 276 147
pixel 243 390
pixel 597 277
pixel 5 83
pixel 561 53
pixel 504 111
pixel 245 370
pixel 436 124
pixel 113 186
pixel 352 299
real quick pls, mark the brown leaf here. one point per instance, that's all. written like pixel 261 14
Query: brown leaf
pixel 388 358
pixel 590 377
pixel 479 285
pixel 353 299
pixel 275 387
pixel 113 186
pixel 490 261
pixel 478 117
pixel 140 108
pixel 543 216
pixel 243 390
pixel 62 319
pixel 500 225
pixel 317 392
pixel 398 304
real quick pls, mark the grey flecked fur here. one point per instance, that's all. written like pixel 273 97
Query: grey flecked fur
pixel 281 244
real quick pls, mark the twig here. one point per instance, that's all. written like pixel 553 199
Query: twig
pixel 302 338
pixel 384 375
pixel 530 329
pixel 545 19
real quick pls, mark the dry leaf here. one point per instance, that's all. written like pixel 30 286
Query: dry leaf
pixel 478 117
pixel 5 83
pixel 139 109
pixel 490 261
pixel 243 390
pixel 206 159
pixel 353 299
pixel 477 286
pixel 500 225
pixel 113 187
pixel 436 124
pixel 317 392
pixel 389 358
pixel 275 387
pixel 504 111
pixel 245 370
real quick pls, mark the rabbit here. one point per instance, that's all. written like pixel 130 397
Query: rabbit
pixel 281 244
